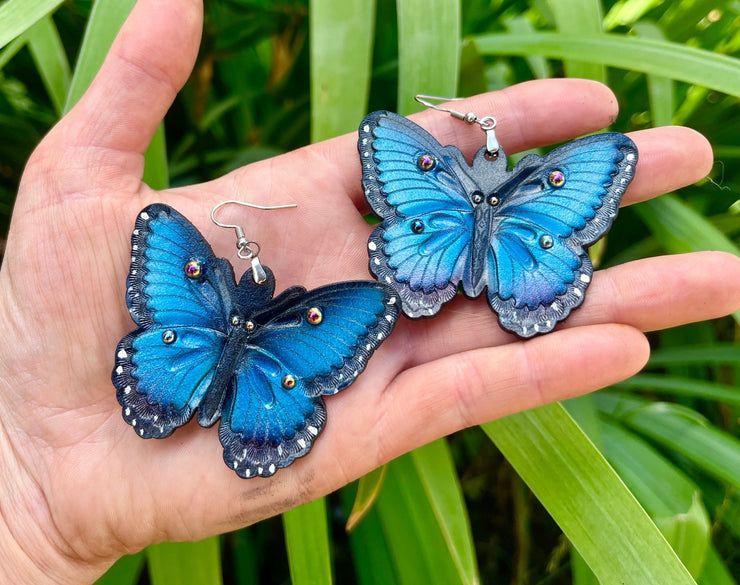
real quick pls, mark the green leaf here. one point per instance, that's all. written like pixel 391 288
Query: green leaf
pixel 442 486
pixel 660 89
pixel 713 354
pixel 309 558
pixel 185 563
pixel 715 572
pixel 51 60
pixel 341 37
pixel 125 571
pixel 417 546
pixel 679 429
pixel 156 170
pixel 672 60
pixel 668 495
pixel 578 17
pixel 368 489
pixel 370 549
pixel 17 16
pixel 428 50
pixel 681 229
pixel 627 12
pixel 586 498
pixel 682 387
pixel 105 21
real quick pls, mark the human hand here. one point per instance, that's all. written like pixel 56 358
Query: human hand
pixel 78 488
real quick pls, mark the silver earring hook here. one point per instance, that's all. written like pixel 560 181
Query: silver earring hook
pixel 247 249
pixel 487 123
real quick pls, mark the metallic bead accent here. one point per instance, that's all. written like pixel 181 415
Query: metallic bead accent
pixel 249 326
pixel 193 269
pixel 417 226
pixel 314 316
pixel 477 197
pixel 426 162
pixel 169 336
pixel 546 242
pixel 236 320
pixel 289 381
pixel 556 179
pixel 493 201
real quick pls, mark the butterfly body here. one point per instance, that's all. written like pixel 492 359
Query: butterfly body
pixel 234 352
pixel 519 235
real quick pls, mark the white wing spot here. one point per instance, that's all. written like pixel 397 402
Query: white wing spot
pixel 248 473
pixel 577 292
pixel 133 423
pixel 144 215
pixel 388 279
pixel 259 470
pixel 585 278
pixel 366 128
pixel 313 430
pixel 301 443
pixel 630 157
pixel 389 318
pixel 272 468
pixel 141 432
pixel 380 336
pixel 122 354
pixel 156 417
pixel 372 246
pixel 136 232
pixel 119 370
pixel 376 261
pixel 280 449
pixel 368 347
pixel 236 464
pixel 127 390
pixel 364 141
pixel 134 247
pixel 127 411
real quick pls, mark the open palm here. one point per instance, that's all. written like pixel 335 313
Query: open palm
pixel 78 488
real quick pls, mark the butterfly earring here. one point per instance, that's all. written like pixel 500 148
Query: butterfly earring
pixel 232 351
pixel 520 234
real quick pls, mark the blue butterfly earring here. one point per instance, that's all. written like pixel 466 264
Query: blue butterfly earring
pixel 232 351
pixel 521 234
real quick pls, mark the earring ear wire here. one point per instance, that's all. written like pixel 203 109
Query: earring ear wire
pixel 247 249
pixel 487 123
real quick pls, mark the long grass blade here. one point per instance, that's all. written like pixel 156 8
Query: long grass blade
pixel 442 486
pixel 681 229
pixel 417 546
pixel 586 498
pixel 185 563
pixel 679 429
pixel 308 556
pixel 672 60
pixel 712 354
pixel 428 50
pixel 17 16
pixel 50 59
pixel 368 489
pixel 341 37
pixel 577 17
pixel 703 389
pixel 125 571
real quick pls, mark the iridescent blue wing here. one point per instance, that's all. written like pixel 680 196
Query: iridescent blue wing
pixel 548 211
pixel 304 345
pixel 420 190
pixel 180 295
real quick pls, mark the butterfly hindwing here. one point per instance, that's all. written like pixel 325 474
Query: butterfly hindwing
pixel 557 206
pixel 305 345
pixel 420 190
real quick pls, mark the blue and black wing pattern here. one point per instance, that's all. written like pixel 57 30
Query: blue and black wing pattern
pixel 206 345
pixel 521 234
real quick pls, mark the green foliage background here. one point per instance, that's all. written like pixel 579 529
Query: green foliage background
pixel 585 492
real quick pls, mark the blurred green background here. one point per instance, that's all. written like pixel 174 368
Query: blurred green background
pixel 549 496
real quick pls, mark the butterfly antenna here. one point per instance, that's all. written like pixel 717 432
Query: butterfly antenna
pixel 487 123
pixel 248 249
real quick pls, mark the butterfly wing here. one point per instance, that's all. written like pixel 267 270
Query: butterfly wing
pixel 420 190
pixel 550 209
pixel 180 295
pixel 305 345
